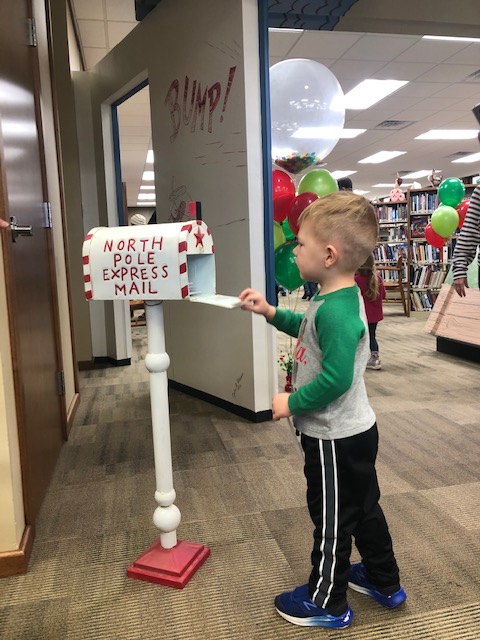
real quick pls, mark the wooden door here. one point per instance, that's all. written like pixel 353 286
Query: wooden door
pixel 30 279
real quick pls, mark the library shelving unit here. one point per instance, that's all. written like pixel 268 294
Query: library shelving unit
pixel 394 244
pixel 428 266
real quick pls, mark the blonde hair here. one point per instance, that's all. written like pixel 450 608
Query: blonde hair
pixel 368 269
pixel 348 219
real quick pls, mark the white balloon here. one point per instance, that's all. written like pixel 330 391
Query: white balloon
pixel 307 112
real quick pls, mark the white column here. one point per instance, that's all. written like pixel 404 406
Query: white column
pixel 167 515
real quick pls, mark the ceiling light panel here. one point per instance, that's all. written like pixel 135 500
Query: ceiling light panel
pixel 448 134
pixel 371 91
pixel 381 156
pixel 474 157
pixel 341 174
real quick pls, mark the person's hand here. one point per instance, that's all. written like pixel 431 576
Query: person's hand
pixel 460 285
pixel 4 224
pixel 280 406
pixel 254 301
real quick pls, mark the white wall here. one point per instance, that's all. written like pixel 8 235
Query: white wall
pixel 228 354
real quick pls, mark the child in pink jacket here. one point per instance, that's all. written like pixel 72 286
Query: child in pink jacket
pixel 371 285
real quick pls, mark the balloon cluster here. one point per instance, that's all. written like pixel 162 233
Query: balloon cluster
pixel 450 215
pixel 288 205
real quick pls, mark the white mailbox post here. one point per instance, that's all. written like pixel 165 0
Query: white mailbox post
pixel 155 263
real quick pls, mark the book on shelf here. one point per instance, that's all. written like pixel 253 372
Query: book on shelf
pixel 423 202
pixel 427 276
pixel 418 225
pixel 390 252
pixel 423 300
pixel 392 212
pixel 393 233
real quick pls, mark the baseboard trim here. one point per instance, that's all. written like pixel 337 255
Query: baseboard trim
pixel 248 414
pixel 14 563
pixel 459 349
pixel 102 362
pixel 72 410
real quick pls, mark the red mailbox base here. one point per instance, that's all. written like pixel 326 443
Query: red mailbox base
pixel 172 567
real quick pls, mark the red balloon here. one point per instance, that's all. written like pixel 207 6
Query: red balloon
pixel 432 237
pixel 462 212
pixel 300 203
pixel 283 189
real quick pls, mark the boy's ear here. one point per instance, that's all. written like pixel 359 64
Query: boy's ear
pixel 331 256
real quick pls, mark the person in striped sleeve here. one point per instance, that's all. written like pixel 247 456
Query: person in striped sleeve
pixel 467 244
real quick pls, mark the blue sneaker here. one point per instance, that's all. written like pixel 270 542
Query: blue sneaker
pixel 358 581
pixel 297 607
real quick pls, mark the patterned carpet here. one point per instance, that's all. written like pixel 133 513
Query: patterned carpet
pixel 240 489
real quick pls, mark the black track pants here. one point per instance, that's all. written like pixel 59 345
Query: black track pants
pixel 342 498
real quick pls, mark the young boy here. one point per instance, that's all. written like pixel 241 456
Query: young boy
pixel 331 411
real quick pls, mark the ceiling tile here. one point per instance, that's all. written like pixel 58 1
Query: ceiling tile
pixel 470 54
pixel 351 72
pixel 448 73
pixel 424 89
pixel 431 51
pixel 92 33
pixel 460 90
pixel 379 47
pixel 121 10
pixel 403 70
pixel 279 44
pixel 88 9
pixel 323 44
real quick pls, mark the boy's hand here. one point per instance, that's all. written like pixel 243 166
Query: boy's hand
pixel 280 406
pixel 254 301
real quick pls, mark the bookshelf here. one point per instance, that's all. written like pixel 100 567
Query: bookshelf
pixel 428 266
pixel 393 242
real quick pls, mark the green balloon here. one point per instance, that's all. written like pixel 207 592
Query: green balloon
pixel 444 220
pixel 289 235
pixel 286 270
pixel 451 192
pixel 278 235
pixel 319 181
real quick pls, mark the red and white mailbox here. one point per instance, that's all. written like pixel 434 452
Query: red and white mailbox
pixel 153 262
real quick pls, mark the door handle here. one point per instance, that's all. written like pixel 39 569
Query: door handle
pixel 19 229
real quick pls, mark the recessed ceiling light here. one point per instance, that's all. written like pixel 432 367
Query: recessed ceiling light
pixel 141 203
pixel 386 185
pixel 146 196
pixel 275 30
pixel 351 133
pixel 474 157
pixel 148 175
pixel 360 192
pixel 146 186
pixel 149 159
pixel 459 38
pixel 342 174
pixel 326 133
pixel 448 134
pixel 381 156
pixel 371 91
pixel 419 174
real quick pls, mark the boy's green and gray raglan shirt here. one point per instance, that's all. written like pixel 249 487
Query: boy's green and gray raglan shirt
pixel 329 399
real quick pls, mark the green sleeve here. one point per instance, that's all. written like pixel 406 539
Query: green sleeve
pixel 287 321
pixel 339 332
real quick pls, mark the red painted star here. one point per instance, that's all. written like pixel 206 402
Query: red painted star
pixel 199 236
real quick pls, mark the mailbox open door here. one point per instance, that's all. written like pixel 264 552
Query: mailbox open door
pixel 154 262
